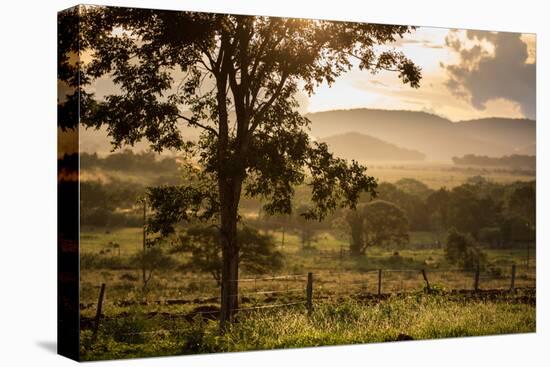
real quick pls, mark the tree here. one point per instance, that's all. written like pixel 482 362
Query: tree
pixel 470 210
pixel 523 203
pixel 414 187
pixel 384 223
pixel 258 254
pixel 437 204
pixel 410 201
pixel 462 250
pixel 305 227
pixel 355 222
pixel 149 260
pixel 235 79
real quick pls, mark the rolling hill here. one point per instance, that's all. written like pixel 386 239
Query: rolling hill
pixel 410 134
pixel 365 148
pixel 435 136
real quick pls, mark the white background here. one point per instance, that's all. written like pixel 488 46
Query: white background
pixel 28 182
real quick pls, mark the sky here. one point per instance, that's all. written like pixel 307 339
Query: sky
pixel 466 75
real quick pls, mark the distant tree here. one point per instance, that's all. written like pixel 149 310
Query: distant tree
pixel 254 65
pixel 281 222
pixel 355 220
pixel 513 161
pixel 437 204
pixel 258 253
pixel 470 210
pixel 523 203
pixel 412 202
pixel 384 224
pixel 151 260
pixel 414 187
pixel 514 229
pixel 463 250
pixel 477 180
pixel 305 227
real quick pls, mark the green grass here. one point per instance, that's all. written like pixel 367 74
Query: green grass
pixel 134 316
pixel 94 240
pixel 416 316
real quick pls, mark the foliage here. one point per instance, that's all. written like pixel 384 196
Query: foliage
pixel 523 203
pixel 261 61
pixel 409 196
pixel 470 210
pixel 101 203
pixel 438 204
pixel 128 161
pixel 377 223
pixel 414 187
pixel 355 224
pixel 384 223
pixel 129 330
pixel 463 251
pixel 306 228
pixel 258 251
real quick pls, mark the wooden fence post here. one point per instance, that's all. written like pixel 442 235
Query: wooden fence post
pixel 309 292
pixel 426 279
pixel 379 281
pixel 513 280
pixel 476 279
pixel 98 311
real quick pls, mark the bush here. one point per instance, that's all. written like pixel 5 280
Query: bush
pixel 463 251
pixel 126 329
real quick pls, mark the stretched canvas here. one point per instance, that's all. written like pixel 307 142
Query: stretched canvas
pixel 235 182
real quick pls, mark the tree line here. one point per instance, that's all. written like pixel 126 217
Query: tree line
pixel 512 161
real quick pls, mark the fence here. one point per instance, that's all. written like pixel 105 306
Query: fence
pixel 306 289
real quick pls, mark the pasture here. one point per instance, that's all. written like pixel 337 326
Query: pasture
pixel 176 313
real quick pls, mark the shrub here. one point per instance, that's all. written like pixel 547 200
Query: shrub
pixel 126 329
pixel 463 251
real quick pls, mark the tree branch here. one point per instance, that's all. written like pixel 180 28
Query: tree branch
pixel 194 122
pixel 257 118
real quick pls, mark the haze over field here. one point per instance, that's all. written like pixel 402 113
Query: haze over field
pixel 436 137
pixel 387 135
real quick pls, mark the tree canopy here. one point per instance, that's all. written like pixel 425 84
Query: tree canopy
pixel 258 251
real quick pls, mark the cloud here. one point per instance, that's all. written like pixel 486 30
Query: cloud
pixel 484 75
pixel 400 42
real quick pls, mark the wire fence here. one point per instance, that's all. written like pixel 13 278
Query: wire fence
pixel 306 289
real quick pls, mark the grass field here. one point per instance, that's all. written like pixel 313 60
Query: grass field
pixel 167 318
pixel 402 317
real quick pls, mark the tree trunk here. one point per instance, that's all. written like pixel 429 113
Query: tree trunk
pixel 230 191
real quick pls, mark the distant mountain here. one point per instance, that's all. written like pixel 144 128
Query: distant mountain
pixel 437 137
pixel 365 148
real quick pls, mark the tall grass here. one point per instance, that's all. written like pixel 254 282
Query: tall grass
pixel 413 316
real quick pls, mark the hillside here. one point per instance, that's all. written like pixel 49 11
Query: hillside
pixel 365 148
pixel 437 137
